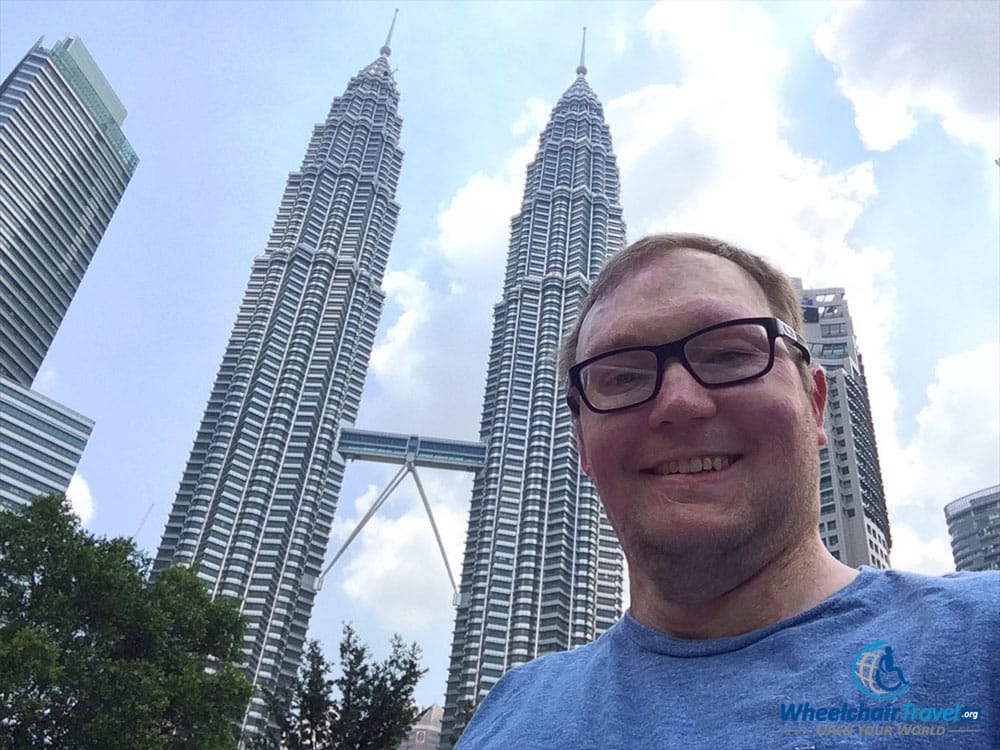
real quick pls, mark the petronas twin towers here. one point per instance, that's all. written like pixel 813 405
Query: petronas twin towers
pixel 542 570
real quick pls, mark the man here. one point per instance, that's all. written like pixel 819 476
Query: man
pixel 699 419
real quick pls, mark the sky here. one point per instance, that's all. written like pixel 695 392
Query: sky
pixel 853 145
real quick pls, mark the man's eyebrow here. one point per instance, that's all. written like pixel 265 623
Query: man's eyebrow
pixel 638 332
pixel 624 340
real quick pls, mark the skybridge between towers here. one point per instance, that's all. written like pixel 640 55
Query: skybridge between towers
pixel 408 452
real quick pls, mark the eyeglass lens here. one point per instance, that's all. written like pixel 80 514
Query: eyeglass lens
pixel 716 357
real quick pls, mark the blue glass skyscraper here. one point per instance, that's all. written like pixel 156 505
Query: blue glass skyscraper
pixel 64 166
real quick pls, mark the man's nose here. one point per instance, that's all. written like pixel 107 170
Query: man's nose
pixel 681 397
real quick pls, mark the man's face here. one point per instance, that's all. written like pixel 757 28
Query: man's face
pixel 764 434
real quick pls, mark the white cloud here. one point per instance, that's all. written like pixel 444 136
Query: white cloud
pixel 364 501
pixel 473 229
pixel 725 44
pixel 344 525
pixel 397 570
pixel 955 449
pixel 898 61
pixel 619 33
pixel 920 553
pixel 80 499
pixel 708 154
pixel 953 453
pixel 394 358
pixel 532 119
pixel 47 378
pixel 431 363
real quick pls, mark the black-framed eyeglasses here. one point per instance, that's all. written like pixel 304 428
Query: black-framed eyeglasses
pixel 721 355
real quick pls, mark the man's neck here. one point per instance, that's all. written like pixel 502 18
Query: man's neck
pixel 799 578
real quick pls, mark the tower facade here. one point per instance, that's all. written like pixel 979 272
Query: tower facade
pixel 854 522
pixel 65 165
pixel 974 527
pixel 542 569
pixel 257 499
pixel 41 442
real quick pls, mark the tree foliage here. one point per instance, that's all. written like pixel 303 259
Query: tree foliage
pixel 95 655
pixel 368 707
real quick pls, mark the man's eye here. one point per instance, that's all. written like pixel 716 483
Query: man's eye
pixel 737 355
pixel 618 378
pixel 733 355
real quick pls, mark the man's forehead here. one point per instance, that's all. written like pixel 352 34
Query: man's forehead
pixel 670 295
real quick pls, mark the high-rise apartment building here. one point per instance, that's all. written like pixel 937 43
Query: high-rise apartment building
pixel 542 569
pixel 854 523
pixel 257 499
pixel 64 165
pixel 974 526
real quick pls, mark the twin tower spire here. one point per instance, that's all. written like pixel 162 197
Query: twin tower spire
pixel 386 51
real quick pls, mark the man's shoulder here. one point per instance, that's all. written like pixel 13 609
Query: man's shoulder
pixel 969 600
pixel 964 586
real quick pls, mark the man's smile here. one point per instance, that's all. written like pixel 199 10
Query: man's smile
pixel 696 465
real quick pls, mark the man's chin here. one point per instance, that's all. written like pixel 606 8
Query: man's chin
pixel 695 542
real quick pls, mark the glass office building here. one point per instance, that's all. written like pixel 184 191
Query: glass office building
pixel 974 526
pixel 40 444
pixel 64 166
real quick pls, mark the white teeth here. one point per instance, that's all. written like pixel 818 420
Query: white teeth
pixel 693 466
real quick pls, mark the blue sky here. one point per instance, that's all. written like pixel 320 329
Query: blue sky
pixel 853 145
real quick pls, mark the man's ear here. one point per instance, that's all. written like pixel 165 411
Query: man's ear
pixel 817 400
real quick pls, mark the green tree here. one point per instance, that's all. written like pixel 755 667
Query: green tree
pixel 369 707
pixel 95 655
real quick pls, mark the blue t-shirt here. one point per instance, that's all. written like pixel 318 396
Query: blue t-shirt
pixel 893 660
